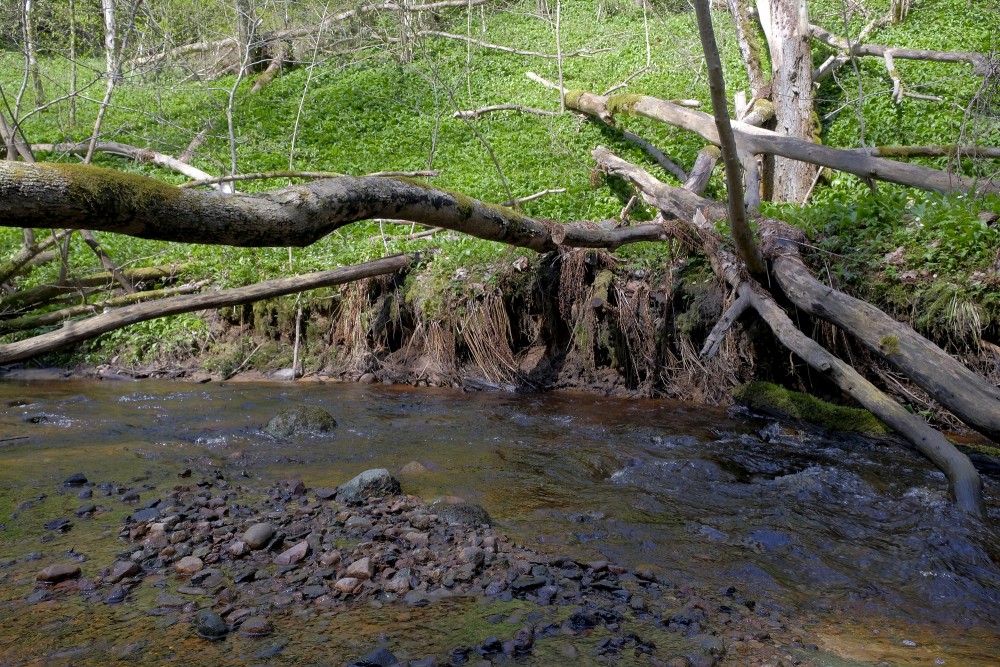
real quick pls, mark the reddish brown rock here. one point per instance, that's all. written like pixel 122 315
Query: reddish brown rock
pixel 361 569
pixel 294 555
pixel 58 572
pixel 347 585
pixel 189 565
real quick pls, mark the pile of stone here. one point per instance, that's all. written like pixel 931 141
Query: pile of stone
pixel 252 554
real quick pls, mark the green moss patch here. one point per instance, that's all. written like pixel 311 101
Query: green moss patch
pixel 773 399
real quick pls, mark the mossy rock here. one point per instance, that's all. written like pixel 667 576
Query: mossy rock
pixel 300 420
pixel 784 403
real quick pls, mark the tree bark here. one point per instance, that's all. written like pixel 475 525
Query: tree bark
pixel 88 197
pixel 739 228
pixel 792 91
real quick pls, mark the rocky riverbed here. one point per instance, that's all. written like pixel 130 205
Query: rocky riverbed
pixel 228 561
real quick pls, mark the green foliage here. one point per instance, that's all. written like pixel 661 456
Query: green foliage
pixel 166 338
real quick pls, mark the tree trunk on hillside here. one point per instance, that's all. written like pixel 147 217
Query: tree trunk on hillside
pixel 788 37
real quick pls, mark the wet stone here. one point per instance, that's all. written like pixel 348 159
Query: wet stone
pixel 256 626
pixel 116 595
pixel 380 657
pixel 76 479
pixel 300 420
pixel 209 625
pixel 85 510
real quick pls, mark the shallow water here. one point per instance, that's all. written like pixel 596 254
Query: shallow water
pixel 855 536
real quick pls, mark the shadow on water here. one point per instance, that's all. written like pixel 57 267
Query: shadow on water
pixel 856 535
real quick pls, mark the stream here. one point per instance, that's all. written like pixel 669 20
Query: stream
pixel 854 537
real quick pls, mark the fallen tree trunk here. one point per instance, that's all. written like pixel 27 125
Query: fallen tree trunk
pixel 979 61
pixel 26 322
pixel 757 140
pixel 964 480
pixel 972 399
pixel 74 332
pixel 40 294
pixel 88 197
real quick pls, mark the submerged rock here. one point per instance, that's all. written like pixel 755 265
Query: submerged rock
pixel 210 625
pixel 467 513
pixel 380 657
pixel 300 420
pixel 377 482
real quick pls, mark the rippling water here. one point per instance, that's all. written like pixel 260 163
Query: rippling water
pixel 855 534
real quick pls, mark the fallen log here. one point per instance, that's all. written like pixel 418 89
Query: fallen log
pixel 965 393
pixel 89 197
pixel 758 140
pixel 27 322
pixel 979 61
pixel 964 480
pixel 40 294
pixel 75 332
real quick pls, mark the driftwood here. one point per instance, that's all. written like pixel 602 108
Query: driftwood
pixel 757 140
pixel 26 322
pixel 979 61
pixel 74 332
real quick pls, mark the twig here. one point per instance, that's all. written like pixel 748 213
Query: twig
pixel 537 195
pixel 245 362
pixel 475 113
pixel 291 173
pixel 508 49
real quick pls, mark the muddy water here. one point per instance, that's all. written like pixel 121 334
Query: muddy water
pixel 856 538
